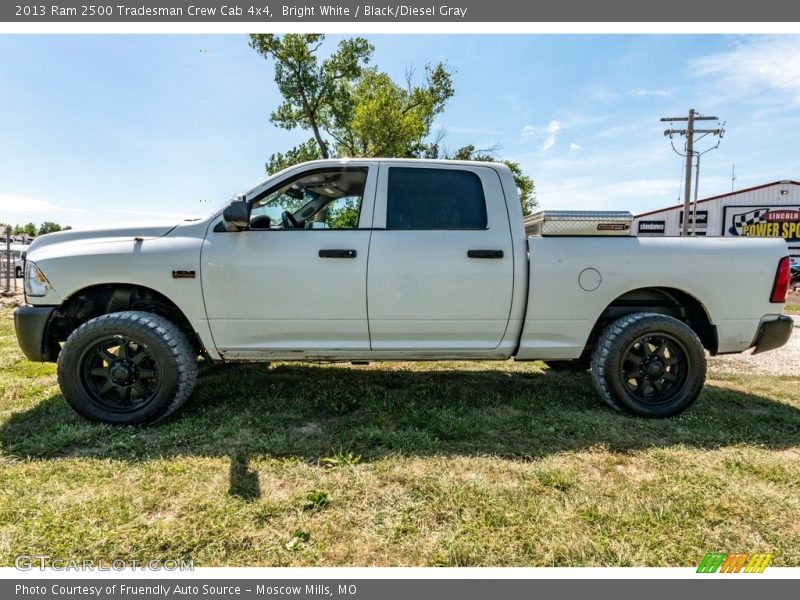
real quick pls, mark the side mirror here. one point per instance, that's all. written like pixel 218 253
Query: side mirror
pixel 236 215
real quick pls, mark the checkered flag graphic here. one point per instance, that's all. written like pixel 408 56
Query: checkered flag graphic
pixel 749 218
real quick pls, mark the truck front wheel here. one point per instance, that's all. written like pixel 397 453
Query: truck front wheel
pixel 649 365
pixel 127 368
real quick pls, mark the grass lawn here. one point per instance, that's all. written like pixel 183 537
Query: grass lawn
pixel 792 309
pixel 400 464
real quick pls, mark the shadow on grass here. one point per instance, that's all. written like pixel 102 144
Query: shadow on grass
pixel 308 412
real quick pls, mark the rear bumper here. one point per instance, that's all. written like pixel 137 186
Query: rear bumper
pixel 30 323
pixel 773 334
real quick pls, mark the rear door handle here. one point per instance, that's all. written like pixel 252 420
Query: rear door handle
pixel 485 253
pixel 337 253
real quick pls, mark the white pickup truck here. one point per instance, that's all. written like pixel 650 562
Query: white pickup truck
pixel 387 259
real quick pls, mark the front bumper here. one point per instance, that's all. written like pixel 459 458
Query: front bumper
pixel 30 323
pixel 773 334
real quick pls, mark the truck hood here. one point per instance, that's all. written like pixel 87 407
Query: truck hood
pixel 148 230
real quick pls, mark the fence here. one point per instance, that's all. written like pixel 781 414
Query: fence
pixel 10 263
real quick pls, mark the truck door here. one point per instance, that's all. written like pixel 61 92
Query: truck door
pixel 440 274
pixel 294 283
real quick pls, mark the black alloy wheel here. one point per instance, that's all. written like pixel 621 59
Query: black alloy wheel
pixel 655 368
pixel 120 373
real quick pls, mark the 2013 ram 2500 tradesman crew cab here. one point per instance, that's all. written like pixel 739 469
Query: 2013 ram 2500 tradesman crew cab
pixel 390 260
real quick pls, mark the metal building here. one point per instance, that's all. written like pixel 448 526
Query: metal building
pixel 772 209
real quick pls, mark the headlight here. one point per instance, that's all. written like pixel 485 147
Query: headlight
pixel 36 283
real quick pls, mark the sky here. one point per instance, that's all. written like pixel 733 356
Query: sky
pixel 101 129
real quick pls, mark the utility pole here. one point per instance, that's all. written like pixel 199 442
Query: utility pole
pixel 733 175
pixel 696 186
pixel 689 133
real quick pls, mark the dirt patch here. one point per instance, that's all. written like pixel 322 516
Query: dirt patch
pixel 13 298
pixel 783 361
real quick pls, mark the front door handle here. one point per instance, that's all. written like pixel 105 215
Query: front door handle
pixel 337 253
pixel 485 253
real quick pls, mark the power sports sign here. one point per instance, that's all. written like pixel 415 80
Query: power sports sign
pixel 763 221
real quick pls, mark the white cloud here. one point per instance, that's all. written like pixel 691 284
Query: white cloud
pixel 11 203
pixel 22 209
pixel 550 133
pixel 585 193
pixel 763 68
pixel 635 195
pixel 553 127
pixel 659 93
pixel 574 147
pixel 153 213
pixel 655 153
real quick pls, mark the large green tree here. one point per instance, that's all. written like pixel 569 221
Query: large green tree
pixel 352 109
pixel 378 117
pixel 310 86
pixel 48 227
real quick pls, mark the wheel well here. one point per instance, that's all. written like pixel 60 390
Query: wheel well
pixel 662 300
pixel 98 300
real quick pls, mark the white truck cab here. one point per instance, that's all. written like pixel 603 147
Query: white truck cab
pixel 391 259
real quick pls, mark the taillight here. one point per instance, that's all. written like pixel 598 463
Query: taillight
pixel 781 286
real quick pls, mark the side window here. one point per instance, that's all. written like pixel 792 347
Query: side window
pixel 434 199
pixel 325 199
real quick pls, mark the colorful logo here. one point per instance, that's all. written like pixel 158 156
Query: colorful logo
pixel 765 222
pixel 719 562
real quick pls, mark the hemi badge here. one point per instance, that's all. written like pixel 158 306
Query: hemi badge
pixel 183 274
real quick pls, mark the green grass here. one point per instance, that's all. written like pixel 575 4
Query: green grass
pixel 400 464
pixel 792 309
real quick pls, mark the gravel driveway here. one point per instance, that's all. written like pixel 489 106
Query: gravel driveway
pixel 783 361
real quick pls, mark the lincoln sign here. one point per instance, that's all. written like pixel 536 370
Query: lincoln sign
pixel 761 221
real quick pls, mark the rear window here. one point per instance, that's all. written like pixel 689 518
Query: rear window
pixel 434 199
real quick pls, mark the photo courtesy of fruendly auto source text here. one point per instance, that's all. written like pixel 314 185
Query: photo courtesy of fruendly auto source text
pixel 375 301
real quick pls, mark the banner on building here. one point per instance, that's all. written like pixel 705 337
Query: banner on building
pixel 700 220
pixel 762 221
pixel 651 227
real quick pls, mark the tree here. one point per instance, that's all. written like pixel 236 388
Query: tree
pixel 49 227
pixel 27 229
pixel 382 118
pixel 354 110
pixel 310 87
pixel 302 153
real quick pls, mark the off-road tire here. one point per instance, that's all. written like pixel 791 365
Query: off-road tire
pixel 616 350
pixel 168 353
pixel 572 366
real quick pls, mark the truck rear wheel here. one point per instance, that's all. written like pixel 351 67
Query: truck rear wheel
pixel 127 368
pixel 649 365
